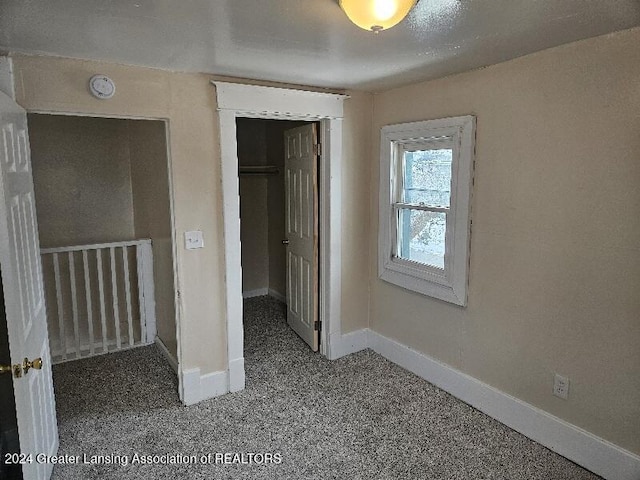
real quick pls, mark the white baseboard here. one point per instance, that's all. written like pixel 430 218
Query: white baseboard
pixel 579 446
pixel 277 295
pixel 341 345
pixel 196 387
pixel 236 375
pixel 173 362
pixel 260 292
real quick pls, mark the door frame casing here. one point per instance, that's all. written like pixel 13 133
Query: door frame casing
pixel 234 101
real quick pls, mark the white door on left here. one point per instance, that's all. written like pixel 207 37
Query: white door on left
pixel 24 295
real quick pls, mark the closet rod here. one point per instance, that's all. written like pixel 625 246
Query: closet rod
pixel 258 170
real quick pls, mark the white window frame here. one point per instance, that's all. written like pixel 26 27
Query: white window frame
pixel 448 284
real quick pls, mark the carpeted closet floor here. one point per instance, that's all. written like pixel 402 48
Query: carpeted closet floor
pixel 360 417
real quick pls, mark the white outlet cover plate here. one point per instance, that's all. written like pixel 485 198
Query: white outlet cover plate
pixel 193 240
pixel 561 386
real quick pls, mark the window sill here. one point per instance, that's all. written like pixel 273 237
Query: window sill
pixel 436 286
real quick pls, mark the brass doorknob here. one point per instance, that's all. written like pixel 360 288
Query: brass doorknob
pixel 27 365
pixel 15 369
pixel 285 242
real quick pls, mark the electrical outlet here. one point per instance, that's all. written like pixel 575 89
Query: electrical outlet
pixel 561 386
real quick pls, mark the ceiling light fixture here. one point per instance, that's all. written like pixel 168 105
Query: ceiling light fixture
pixel 376 15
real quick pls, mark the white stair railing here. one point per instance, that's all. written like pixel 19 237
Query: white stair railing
pixel 100 298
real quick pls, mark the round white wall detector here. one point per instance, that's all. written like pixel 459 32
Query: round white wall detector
pixel 102 87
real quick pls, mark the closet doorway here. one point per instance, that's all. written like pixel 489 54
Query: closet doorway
pixel 278 165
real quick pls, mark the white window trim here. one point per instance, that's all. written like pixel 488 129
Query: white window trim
pixel 449 284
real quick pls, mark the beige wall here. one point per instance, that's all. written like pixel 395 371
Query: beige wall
pixel 152 216
pixel 357 155
pixel 555 266
pixel 78 162
pixel 187 101
pixel 254 233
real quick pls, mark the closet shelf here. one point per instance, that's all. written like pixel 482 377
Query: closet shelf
pixel 258 170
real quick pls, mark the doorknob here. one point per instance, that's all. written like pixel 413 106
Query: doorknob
pixel 27 365
pixel 18 369
pixel 15 369
pixel 285 242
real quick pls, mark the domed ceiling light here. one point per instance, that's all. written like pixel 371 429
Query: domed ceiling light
pixel 376 15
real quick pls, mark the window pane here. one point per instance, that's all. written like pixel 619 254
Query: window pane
pixel 421 236
pixel 427 177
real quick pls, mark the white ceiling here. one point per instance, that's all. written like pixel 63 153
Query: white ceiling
pixel 304 41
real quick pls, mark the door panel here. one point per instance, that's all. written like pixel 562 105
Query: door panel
pixel 24 292
pixel 301 194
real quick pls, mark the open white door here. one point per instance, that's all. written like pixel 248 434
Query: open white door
pixel 24 295
pixel 301 191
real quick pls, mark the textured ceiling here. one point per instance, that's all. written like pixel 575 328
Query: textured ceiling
pixel 305 41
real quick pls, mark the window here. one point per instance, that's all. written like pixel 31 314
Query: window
pixel 425 191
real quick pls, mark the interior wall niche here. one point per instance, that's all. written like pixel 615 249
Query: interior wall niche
pixel 104 180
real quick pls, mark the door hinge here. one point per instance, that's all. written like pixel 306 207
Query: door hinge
pixel 317 149
pixel 317 326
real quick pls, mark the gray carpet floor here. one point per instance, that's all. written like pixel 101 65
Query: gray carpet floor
pixel 360 417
